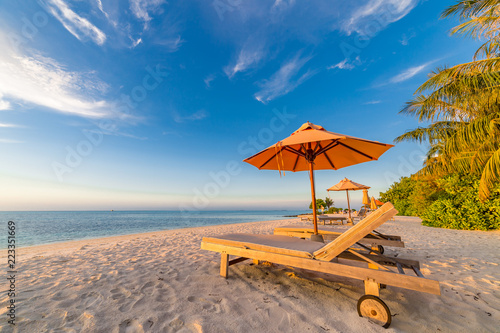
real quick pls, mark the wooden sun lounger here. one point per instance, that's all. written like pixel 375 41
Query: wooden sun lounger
pixel 324 219
pixel 315 256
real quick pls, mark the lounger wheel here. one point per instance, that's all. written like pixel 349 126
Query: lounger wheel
pixel 380 249
pixel 375 309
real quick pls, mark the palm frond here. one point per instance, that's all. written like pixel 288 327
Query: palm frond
pixel 468 8
pixel 490 177
pixel 433 133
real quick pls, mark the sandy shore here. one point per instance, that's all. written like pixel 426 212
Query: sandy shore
pixel 164 282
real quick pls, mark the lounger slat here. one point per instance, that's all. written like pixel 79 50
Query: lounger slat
pixel 417 271
pixel 364 258
pixel 387 261
pixel 236 261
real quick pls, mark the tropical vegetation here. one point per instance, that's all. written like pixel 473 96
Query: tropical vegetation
pixel 448 202
pixel 458 184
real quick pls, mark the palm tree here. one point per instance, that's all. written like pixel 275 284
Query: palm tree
pixel 328 202
pixel 462 103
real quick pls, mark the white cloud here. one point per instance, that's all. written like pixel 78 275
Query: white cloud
pixel 376 14
pixel 198 115
pixel 4 105
pixel 136 42
pixel 10 141
pixel 171 44
pixel 78 26
pixel 283 4
pixel 99 5
pixel 4 125
pixel 285 80
pixel 249 56
pixel 342 65
pixel 34 79
pixel 346 64
pixel 142 8
pixel 408 73
pixel 208 80
pixel 372 102
pixel 405 39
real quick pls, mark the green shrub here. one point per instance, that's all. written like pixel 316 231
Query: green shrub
pixel 398 194
pixel 447 202
pixel 458 206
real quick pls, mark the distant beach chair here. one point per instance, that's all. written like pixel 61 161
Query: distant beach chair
pixel 362 213
pixel 305 217
pixel 315 256
pixel 331 219
pixel 324 219
pixel 375 239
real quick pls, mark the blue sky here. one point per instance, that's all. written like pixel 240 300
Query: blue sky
pixel 149 104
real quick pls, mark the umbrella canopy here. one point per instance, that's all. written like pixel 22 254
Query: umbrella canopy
pixel 312 147
pixel 373 205
pixel 366 198
pixel 378 203
pixel 346 185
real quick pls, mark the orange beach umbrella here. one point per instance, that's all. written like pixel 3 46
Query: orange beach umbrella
pixel 312 147
pixel 373 205
pixel 348 185
pixel 366 198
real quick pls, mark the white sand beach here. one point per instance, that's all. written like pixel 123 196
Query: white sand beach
pixel 164 282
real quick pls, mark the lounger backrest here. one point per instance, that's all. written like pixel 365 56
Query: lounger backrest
pixel 362 212
pixel 356 233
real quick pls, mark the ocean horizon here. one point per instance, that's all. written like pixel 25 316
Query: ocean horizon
pixel 46 227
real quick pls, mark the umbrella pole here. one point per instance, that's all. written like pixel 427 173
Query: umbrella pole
pixel 313 193
pixel 348 206
pixel 314 237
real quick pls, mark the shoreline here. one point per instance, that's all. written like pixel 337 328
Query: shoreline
pixel 72 244
pixel 32 250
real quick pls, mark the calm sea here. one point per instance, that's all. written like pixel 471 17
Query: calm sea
pixel 35 228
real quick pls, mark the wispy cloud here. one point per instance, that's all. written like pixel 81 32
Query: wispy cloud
pixel 372 102
pixel 78 26
pixel 171 44
pixel 405 39
pixel 31 78
pixel 408 73
pixel 4 105
pixel 135 42
pixel 285 80
pixel 381 12
pixel 346 64
pixel 283 4
pixel 142 8
pixel 99 5
pixel 10 141
pixel 4 125
pixel 249 56
pixel 198 115
pixel 208 80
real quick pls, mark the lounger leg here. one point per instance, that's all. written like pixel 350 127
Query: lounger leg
pixel 224 264
pixel 371 287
